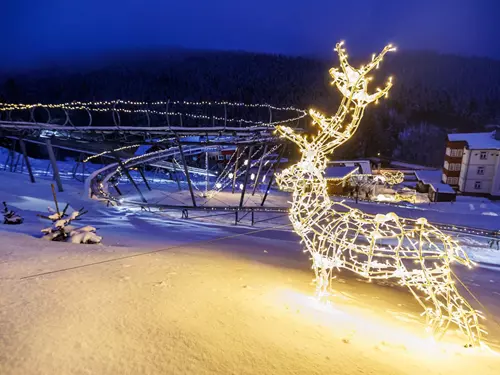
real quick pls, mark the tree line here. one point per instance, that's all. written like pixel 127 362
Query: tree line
pixel 433 93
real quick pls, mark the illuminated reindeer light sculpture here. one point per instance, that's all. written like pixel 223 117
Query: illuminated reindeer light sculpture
pixel 374 246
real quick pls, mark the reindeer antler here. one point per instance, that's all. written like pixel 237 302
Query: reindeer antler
pixel 353 85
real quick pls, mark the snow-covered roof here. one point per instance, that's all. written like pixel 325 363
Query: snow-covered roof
pixel 442 188
pixel 364 164
pixel 433 179
pixel 477 141
pixel 338 172
pixel 429 177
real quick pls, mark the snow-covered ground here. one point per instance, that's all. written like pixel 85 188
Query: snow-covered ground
pixel 167 296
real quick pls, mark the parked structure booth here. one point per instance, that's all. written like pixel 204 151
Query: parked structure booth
pixel 436 191
pixel 337 178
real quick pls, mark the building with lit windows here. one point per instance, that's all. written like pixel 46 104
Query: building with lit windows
pixel 472 163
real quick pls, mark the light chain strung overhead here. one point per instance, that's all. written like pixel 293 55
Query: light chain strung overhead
pixel 393 177
pixel 414 252
pixel 130 107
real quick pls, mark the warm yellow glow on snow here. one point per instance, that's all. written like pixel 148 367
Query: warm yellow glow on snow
pixel 374 246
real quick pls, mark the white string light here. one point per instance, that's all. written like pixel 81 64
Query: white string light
pixel 110 106
pixel 414 252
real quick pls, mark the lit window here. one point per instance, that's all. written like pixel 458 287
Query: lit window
pixel 477 185
pixel 456 152
pixel 452 181
pixel 483 155
pixel 480 170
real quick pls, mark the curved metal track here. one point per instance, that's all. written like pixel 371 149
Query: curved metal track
pixel 118 119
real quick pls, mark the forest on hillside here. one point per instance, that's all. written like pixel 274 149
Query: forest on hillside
pixel 433 93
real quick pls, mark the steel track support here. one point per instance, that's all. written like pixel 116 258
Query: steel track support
pixel 272 175
pixel 181 151
pixel 26 160
pixel 141 171
pixel 235 168
pixel 256 181
pixel 53 162
pixel 246 176
pixel 127 173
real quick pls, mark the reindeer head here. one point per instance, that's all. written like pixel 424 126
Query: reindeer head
pixel 336 130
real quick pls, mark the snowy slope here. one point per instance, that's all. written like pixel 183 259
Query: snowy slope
pixel 186 297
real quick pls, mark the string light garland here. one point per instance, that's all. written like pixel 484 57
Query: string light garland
pixel 111 106
pixel 393 177
pixel 410 198
pixel 414 252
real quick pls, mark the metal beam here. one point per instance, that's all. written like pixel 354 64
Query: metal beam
pixel 141 171
pixel 26 160
pixel 12 152
pixel 206 174
pixel 127 173
pixel 181 151
pixel 246 176
pixel 272 175
pixel 235 168
pixel 256 181
pixel 53 162
pixel 175 174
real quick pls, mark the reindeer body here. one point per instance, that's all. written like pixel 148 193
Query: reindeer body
pixel 374 246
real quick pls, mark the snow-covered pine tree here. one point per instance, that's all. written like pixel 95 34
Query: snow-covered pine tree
pixel 10 217
pixel 62 230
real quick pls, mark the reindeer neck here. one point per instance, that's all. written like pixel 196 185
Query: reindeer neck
pixel 310 198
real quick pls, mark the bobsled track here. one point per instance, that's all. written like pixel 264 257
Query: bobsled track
pixel 128 140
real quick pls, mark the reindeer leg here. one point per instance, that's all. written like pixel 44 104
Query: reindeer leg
pixel 448 307
pixel 322 283
pixel 465 316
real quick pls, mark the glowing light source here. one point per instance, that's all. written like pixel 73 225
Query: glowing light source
pixel 393 177
pixel 375 246
pixel 124 106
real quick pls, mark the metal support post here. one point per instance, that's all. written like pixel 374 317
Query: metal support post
pixel 127 173
pixel 256 181
pixel 26 160
pixel 12 152
pixel 53 162
pixel 249 163
pixel 235 167
pixel 272 175
pixel 181 151
pixel 141 171
pixel 206 174
pixel 175 174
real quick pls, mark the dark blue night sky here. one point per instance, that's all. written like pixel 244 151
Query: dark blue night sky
pixel 44 31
